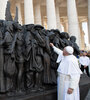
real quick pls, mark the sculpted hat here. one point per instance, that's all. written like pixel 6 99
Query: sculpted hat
pixel 38 27
pixel 69 49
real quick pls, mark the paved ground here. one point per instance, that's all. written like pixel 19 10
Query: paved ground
pixel 88 96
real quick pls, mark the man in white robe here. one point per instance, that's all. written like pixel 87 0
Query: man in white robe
pixel 84 62
pixel 68 74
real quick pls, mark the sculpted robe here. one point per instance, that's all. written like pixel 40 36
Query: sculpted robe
pixel 68 76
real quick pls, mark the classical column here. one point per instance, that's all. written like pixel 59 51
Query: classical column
pixel 58 18
pixel 19 13
pixel 28 12
pixel 65 24
pixel 73 24
pixel 3 4
pixel 51 15
pixel 89 19
pixel 37 12
pixel 82 37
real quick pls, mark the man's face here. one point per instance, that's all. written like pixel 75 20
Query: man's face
pixel 84 54
pixel 65 53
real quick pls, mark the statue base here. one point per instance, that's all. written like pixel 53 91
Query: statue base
pixel 38 95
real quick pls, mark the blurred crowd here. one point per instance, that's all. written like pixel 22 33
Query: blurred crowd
pixel 84 61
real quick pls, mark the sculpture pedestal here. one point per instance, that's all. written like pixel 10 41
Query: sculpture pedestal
pixel 84 86
pixel 44 95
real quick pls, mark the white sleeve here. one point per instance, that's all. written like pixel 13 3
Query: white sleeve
pixel 74 81
pixel 58 51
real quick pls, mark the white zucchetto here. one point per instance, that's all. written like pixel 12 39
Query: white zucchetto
pixel 69 49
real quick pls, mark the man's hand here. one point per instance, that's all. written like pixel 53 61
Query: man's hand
pixel 85 66
pixel 70 91
pixel 51 44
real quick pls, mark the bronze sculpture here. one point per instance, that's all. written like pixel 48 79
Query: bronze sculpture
pixel 26 60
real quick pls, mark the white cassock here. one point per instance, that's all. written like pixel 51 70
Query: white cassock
pixel 68 76
pixel 84 60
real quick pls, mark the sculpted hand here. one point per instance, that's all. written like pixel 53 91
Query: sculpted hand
pixel 51 44
pixel 70 91
pixel 10 51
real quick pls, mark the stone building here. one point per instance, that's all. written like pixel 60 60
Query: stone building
pixel 53 14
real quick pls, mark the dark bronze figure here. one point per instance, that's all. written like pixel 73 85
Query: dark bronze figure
pixel 38 43
pixel 8 16
pixel 46 57
pixel 19 59
pixel 74 45
pixel 65 37
pixel 9 57
pixel 29 56
pixel 2 79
